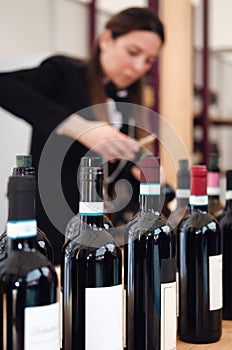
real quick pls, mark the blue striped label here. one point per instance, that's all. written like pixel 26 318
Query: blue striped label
pixel 149 189
pixel 198 200
pixel 91 208
pixel 21 229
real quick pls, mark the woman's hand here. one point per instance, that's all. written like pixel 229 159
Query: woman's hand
pixel 135 171
pixel 100 137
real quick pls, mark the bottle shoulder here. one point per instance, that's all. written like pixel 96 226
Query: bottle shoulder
pixel 89 254
pixel 199 221
pixel 73 226
pixel 42 235
pixel 178 215
pixel 27 266
pixel 43 244
pixel 3 246
pixel 91 240
pixel 148 224
pixel 225 217
pixel 215 207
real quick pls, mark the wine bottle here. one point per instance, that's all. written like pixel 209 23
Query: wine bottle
pixel 200 267
pixel 181 210
pixel 225 220
pixel 91 273
pixel 215 207
pixel 29 312
pixel 24 168
pixel 150 270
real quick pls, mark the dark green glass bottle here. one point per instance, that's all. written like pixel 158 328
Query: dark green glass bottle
pixel 24 168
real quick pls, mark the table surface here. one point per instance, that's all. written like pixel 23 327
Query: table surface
pixel 224 343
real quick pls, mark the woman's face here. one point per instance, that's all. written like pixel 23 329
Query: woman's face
pixel 128 57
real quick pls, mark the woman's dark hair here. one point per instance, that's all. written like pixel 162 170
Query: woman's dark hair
pixel 133 18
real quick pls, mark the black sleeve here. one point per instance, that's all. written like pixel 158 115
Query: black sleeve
pixel 30 95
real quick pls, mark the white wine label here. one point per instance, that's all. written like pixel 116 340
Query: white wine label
pixel 21 229
pixel 150 189
pixel 213 191
pixel 42 327
pixel 4 326
pixel 215 282
pixel 168 316
pixel 91 208
pixel 177 293
pixel 103 318
pixel 61 319
pixel 124 318
pixel 182 193
pixel 228 195
pixel 198 200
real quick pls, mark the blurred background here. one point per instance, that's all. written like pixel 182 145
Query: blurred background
pixel 190 86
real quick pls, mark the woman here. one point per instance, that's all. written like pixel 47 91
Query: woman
pixel 52 97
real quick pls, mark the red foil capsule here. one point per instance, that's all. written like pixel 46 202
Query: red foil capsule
pixel 198 180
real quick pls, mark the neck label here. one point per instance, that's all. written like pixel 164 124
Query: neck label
pixel 182 193
pixel 228 194
pixel 149 189
pixel 21 229
pixel 213 191
pixel 91 208
pixel 198 200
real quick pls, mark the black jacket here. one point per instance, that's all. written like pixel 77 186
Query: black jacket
pixel 44 96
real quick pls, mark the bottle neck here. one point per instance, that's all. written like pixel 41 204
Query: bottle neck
pixel 91 205
pixel 214 198
pixel 21 235
pixel 182 197
pixel 213 185
pixel 21 224
pixel 182 202
pixel 228 199
pixel 198 200
pixel 25 244
pixel 149 198
pixel 20 171
pixel 198 203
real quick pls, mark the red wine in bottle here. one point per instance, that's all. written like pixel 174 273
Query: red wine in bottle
pixel 215 207
pixel 200 267
pixel 225 220
pixel 24 168
pixel 29 312
pixel 91 273
pixel 150 270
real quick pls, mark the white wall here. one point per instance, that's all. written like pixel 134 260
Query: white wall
pixel 24 27
pixel 220 67
pixel 34 27
pixel 111 6
pixel 31 30
pixel 14 133
pixel 219 24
